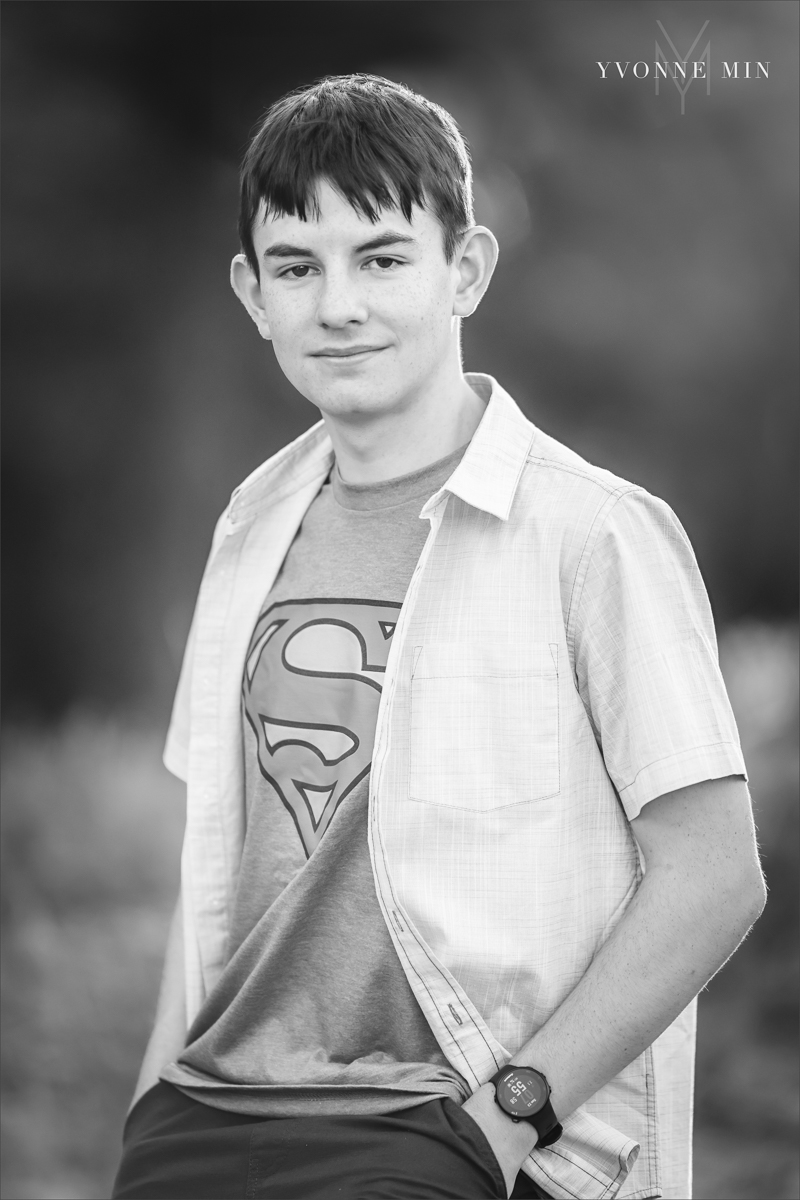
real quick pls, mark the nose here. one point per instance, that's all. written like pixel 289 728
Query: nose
pixel 340 301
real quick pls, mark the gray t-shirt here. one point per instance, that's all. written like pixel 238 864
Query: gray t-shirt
pixel 313 1012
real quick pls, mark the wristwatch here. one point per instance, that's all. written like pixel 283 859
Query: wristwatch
pixel 524 1095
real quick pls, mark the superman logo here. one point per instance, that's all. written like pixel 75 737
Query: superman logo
pixel 311 688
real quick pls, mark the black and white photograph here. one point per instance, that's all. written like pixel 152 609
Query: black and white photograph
pixel 400 599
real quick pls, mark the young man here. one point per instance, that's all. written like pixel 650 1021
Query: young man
pixel 467 825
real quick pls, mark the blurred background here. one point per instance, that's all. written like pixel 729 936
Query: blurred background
pixel 644 311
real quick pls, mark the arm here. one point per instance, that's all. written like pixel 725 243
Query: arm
pixel 701 892
pixel 169 1031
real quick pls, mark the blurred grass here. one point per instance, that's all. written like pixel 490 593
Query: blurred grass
pixel 91 841
pixel 747 1057
pixel 92 826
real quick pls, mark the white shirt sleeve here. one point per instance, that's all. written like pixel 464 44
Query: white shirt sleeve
pixel 646 656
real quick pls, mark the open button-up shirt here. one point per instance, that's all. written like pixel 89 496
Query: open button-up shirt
pixel 554 668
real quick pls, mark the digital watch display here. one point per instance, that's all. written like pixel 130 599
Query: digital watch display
pixel 523 1094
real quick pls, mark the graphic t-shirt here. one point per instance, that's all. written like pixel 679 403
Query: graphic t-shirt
pixel 313 1012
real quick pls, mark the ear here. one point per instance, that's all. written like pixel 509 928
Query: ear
pixel 248 289
pixel 475 262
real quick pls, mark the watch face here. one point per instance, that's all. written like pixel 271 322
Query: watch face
pixel 522 1092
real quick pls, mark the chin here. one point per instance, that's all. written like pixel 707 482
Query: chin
pixel 352 399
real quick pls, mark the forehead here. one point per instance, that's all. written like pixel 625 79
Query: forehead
pixel 339 224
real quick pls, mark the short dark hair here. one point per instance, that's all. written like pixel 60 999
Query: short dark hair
pixel 377 142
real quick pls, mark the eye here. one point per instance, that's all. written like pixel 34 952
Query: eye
pixel 300 271
pixel 384 262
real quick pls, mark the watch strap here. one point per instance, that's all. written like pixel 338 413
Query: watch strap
pixel 547 1126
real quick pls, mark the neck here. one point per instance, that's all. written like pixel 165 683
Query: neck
pixel 371 447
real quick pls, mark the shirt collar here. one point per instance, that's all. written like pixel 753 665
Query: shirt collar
pixel 487 476
pixel 308 458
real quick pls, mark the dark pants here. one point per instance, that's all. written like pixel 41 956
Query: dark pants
pixel 175 1148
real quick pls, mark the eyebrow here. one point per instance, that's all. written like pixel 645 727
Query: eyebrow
pixel 390 238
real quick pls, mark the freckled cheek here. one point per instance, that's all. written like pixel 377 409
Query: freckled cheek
pixel 423 320
pixel 288 325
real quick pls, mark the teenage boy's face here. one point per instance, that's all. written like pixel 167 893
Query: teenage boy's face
pixel 362 316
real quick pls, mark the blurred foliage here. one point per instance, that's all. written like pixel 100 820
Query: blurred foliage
pixel 91 836
pixel 91 831
pixel 644 309
pixel 747 1060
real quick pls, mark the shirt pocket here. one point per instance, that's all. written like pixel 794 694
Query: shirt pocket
pixel 484 725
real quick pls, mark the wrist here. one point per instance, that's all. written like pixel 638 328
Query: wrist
pixel 511 1143
pixel 519 1137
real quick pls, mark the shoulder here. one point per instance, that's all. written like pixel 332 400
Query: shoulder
pixel 553 465
pixel 594 520
pixel 303 463
pixel 575 494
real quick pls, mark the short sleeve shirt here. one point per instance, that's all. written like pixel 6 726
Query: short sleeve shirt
pixel 552 670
